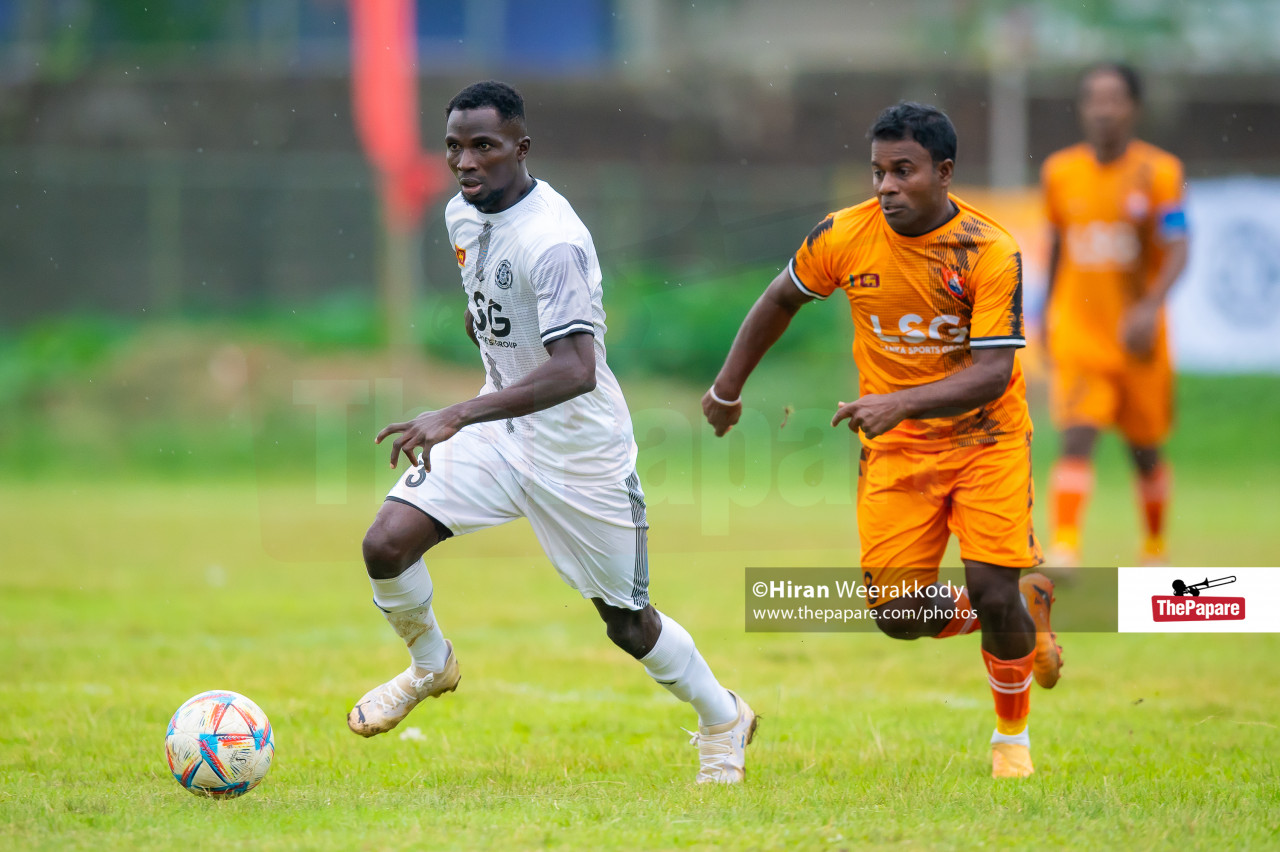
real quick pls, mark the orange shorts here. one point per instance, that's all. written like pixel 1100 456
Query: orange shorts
pixel 909 503
pixel 1137 399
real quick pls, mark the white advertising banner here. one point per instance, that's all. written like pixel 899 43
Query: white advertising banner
pixel 1225 312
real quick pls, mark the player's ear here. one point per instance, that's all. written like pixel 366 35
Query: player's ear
pixel 945 169
pixel 522 148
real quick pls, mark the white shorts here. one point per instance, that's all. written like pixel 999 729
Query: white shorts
pixel 596 536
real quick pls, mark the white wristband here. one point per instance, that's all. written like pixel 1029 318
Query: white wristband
pixel 712 392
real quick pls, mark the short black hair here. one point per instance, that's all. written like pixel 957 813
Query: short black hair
pixel 1123 70
pixel 490 93
pixel 927 125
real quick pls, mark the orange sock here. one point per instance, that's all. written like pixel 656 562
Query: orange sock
pixel 1071 482
pixel 1011 687
pixel 965 619
pixel 1153 490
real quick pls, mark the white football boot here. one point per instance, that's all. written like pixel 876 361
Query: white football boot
pixel 722 748
pixel 385 706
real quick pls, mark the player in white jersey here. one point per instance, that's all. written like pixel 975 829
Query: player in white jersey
pixel 548 438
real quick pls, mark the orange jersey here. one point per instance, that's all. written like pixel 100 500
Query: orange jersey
pixel 1113 221
pixel 920 306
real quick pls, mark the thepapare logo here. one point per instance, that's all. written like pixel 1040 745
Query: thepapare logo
pixel 913 328
pixel 1185 604
pixel 1103 244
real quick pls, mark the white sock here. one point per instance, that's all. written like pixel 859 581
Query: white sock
pixel 406 602
pixel 1023 739
pixel 676 664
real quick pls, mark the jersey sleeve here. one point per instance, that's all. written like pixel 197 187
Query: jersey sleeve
pixel 811 268
pixel 1167 199
pixel 559 279
pixel 997 305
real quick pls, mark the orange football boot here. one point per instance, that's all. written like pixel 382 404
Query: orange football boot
pixel 1037 592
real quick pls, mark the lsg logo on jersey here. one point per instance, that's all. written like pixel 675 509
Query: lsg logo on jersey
pixel 915 329
pixel 1186 604
pixel 1103 244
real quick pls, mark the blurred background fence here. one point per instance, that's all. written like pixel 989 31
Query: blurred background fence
pixel 184 195
pixel 180 158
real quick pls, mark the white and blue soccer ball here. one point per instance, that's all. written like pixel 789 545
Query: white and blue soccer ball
pixel 219 744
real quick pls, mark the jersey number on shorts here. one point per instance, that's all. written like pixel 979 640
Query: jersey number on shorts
pixel 499 325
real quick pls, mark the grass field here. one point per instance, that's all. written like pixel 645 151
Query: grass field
pixel 121 597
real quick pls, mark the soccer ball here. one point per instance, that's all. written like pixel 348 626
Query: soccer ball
pixel 219 744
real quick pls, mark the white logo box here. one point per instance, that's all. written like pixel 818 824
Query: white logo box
pixel 1259 587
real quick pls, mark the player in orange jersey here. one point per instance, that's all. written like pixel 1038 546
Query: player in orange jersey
pixel 936 293
pixel 1119 243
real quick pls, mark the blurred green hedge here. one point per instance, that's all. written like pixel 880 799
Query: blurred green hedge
pixel 140 397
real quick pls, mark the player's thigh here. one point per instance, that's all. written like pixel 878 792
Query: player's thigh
pixel 991 505
pixel 596 536
pixel 1146 403
pixel 470 486
pixel 1082 396
pixel 902 522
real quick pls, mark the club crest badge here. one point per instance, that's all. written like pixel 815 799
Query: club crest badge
pixel 503 276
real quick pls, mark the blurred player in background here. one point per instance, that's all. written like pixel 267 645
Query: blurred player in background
pixel 548 438
pixel 1119 243
pixel 935 288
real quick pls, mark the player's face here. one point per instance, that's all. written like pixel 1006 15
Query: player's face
pixel 1107 111
pixel 911 187
pixel 486 155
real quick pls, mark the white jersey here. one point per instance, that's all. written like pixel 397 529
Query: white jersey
pixel 532 277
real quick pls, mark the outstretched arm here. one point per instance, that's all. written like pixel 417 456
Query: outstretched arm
pixel 1139 329
pixel 569 372
pixel 765 323
pixel 974 386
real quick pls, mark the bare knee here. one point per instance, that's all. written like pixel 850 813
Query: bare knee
pixel 396 539
pixel 634 631
pixel 384 557
pixel 999 605
pixel 1078 441
pixel 625 633
pixel 1145 459
pixel 914 616
pixel 892 624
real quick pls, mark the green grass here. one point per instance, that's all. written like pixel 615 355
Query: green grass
pixel 120 600
pixel 162 534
